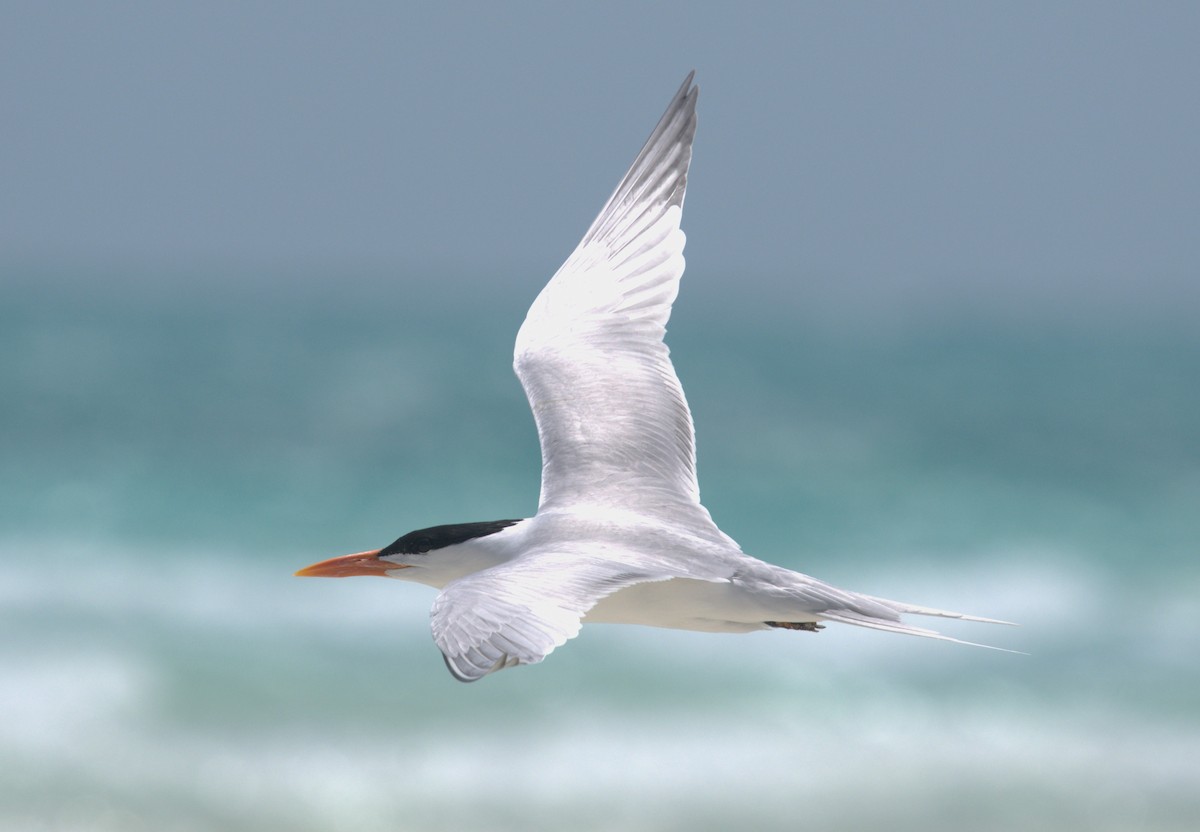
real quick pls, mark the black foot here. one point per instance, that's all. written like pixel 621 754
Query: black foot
pixel 807 626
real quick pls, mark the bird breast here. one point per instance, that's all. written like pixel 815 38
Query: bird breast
pixel 681 604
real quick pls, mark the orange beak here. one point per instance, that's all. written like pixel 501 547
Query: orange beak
pixel 362 563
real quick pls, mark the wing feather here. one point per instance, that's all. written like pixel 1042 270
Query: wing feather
pixel 517 613
pixel 614 425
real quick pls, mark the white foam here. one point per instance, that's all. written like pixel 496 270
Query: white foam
pixel 216 589
pixel 826 765
pixel 779 730
pixel 54 701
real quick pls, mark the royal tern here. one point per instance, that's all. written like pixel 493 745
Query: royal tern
pixel 620 534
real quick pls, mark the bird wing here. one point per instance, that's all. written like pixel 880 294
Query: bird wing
pixel 518 612
pixel 614 426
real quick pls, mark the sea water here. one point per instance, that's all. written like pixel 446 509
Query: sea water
pixel 176 445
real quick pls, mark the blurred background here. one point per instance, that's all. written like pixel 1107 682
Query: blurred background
pixel 261 267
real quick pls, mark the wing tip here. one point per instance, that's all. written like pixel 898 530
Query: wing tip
pixel 688 89
pixel 473 673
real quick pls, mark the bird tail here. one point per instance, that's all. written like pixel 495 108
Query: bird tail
pixel 895 625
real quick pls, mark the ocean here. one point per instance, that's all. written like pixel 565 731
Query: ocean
pixel 177 443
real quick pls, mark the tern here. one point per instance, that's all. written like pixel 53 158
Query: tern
pixel 620 534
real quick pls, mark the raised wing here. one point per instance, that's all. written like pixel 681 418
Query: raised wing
pixel 517 613
pixel 614 425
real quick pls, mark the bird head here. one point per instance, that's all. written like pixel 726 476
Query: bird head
pixel 433 556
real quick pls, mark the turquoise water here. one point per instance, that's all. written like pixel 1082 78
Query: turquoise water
pixel 175 445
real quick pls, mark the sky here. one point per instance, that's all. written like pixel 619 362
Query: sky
pixel 1019 156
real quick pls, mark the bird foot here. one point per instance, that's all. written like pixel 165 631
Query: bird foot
pixel 807 626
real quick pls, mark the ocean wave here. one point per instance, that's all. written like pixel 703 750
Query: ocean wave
pixel 918 763
pixel 200 689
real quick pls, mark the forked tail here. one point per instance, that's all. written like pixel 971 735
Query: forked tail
pixel 860 619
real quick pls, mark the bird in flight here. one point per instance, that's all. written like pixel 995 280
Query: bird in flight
pixel 620 534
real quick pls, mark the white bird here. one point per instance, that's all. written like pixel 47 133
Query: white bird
pixel 620 534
